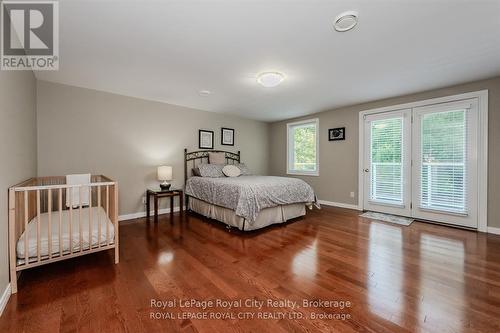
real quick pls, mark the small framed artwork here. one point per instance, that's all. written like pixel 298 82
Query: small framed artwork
pixel 227 136
pixel 206 139
pixel 336 134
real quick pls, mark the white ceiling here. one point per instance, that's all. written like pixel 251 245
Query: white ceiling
pixel 170 50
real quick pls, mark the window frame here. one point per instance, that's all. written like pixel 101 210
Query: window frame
pixel 289 126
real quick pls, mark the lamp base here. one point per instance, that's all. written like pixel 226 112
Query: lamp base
pixel 165 186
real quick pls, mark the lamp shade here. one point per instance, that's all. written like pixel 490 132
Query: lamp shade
pixel 164 172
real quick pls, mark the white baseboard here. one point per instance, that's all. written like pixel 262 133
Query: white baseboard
pixel 143 214
pixel 5 298
pixel 339 204
pixel 176 209
pixel 493 230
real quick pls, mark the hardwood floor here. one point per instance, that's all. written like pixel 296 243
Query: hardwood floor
pixel 398 279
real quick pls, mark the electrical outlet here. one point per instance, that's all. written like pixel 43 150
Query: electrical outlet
pixel 352 194
pixel 144 200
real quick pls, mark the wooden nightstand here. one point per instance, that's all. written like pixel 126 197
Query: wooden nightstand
pixel 159 193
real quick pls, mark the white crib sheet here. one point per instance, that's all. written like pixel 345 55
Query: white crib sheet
pixel 44 240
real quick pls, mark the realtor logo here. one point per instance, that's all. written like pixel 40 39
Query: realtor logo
pixel 30 35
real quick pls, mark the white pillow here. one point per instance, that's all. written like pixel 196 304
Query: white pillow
pixel 231 171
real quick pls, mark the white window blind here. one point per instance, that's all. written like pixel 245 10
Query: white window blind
pixel 387 161
pixel 302 147
pixel 443 161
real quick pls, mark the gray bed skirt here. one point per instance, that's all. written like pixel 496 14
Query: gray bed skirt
pixel 266 217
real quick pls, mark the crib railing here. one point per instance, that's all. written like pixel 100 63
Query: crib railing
pixel 43 199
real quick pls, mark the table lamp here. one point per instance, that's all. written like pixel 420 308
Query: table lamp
pixel 164 174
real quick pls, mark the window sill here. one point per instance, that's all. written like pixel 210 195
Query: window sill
pixel 299 173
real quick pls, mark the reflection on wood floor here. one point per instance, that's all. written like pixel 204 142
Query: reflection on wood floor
pixel 397 279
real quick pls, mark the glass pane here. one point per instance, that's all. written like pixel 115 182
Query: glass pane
pixel 443 169
pixel 387 161
pixel 304 140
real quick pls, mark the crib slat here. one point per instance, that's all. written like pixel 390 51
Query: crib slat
pixel 60 223
pixel 99 214
pixel 107 214
pixel 90 218
pixel 80 218
pixel 26 231
pixel 71 220
pixel 49 227
pixel 99 211
pixel 38 224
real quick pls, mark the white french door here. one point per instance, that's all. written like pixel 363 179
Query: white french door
pixel 445 160
pixel 387 170
pixel 422 162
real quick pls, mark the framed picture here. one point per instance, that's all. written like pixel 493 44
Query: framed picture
pixel 336 134
pixel 206 139
pixel 227 136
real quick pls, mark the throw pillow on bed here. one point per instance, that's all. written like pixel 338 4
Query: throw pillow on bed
pixel 217 158
pixel 196 172
pixel 244 169
pixel 231 170
pixel 211 170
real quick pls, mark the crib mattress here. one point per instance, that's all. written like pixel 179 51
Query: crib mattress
pixel 98 214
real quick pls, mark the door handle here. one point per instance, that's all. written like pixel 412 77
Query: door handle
pixel 366 170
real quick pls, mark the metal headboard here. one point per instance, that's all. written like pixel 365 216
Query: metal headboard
pixel 201 156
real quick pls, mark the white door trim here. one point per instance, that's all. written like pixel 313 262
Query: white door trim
pixel 482 97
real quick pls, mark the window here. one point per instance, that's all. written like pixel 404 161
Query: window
pixel 303 144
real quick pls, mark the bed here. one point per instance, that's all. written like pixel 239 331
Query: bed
pixel 247 202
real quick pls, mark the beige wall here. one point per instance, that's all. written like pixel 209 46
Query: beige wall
pixel 82 130
pixel 17 146
pixel 339 160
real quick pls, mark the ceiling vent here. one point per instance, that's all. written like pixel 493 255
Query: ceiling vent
pixel 346 21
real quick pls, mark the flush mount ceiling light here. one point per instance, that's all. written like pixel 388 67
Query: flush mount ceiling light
pixel 346 21
pixel 270 79
pixel 204 92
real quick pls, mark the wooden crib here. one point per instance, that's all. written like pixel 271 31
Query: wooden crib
pixel 44 229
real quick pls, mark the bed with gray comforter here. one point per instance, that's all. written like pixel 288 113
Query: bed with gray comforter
pixel 248 195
